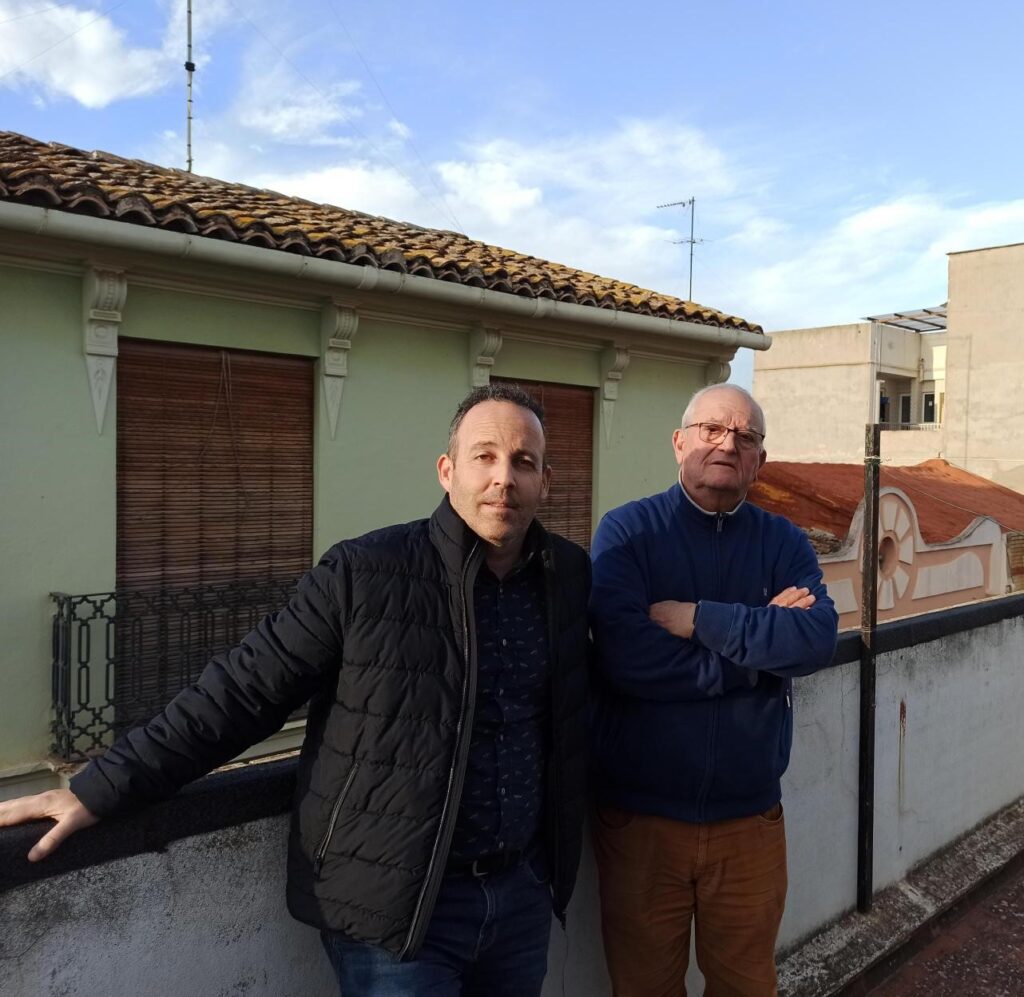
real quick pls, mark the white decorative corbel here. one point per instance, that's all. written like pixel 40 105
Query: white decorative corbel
pixel 338 325
pixel 104 290
pixel 716 372
pixel 484 343
pixel 614 361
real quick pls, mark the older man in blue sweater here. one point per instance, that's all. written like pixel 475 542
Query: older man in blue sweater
pixel 703 609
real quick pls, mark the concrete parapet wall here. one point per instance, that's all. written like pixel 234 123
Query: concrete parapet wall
pixel 188 897
pixel 948 750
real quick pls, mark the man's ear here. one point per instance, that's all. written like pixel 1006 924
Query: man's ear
pixel 445 466
pixel 545 482
pixel 678 443
pixel 761 460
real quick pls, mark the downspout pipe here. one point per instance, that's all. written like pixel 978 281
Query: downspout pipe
pixel 868 629
pixel 129 237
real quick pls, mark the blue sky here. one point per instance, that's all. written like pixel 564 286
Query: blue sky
pixel 837 152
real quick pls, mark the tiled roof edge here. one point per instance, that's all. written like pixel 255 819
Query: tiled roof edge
pixel 107 186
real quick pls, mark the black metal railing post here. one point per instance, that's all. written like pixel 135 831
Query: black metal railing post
pixel 868 625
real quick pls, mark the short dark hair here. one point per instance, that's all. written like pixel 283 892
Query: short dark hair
pixel 499 391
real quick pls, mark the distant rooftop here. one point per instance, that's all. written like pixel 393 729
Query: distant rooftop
pixel 824 497
pixel 921 320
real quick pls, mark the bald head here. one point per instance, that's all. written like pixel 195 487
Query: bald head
pixel 757 413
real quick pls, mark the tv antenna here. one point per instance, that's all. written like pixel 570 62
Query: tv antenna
pixel 190 68
pixel 689 203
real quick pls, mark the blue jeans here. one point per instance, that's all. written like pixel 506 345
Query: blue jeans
pixel 488 937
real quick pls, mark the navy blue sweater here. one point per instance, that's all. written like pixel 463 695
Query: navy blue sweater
pixel 700 729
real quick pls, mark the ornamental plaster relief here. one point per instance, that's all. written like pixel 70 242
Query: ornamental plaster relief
pixel 104 291
pixel 338 326
pixel 484 344
pixel 914 576
pixel 614 362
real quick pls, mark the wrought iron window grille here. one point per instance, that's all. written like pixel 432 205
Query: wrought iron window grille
pixel 119 657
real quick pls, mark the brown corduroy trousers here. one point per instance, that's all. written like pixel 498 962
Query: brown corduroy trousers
pixel 657 875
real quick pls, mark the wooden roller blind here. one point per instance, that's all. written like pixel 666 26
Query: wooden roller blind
pixel 214 508
pixel 214 465
pixel 569 417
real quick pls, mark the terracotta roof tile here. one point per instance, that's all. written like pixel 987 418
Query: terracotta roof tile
pixel 104 185
pixel 825 496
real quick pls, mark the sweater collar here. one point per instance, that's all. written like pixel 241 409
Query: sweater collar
pixel 690 510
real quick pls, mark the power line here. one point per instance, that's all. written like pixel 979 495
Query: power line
pixel 394 113
pixel 38 10
pixel 324 97
pixel 50 48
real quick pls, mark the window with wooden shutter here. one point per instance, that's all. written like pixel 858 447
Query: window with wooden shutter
pixel 569 419
pixel 214 506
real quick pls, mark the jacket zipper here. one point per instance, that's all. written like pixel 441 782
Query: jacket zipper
pixel 321 850
pixel 713 725
pixel 446 827
pixel 556 858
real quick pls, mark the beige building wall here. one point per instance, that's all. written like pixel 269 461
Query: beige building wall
pixel 816 388
pixel 985 395
pixel 819 387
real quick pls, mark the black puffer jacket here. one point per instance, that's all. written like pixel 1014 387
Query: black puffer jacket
pixel 380 639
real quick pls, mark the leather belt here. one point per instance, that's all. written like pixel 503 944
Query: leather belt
pixel 487 865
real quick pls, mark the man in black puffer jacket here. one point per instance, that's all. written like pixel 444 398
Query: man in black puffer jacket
pixel 439 805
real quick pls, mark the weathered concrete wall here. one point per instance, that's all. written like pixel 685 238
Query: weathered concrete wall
pixel 207 916
pixel 949 747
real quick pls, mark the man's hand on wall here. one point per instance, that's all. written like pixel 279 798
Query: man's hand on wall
pixel 794 598
pixel 60 805
pixel 675 617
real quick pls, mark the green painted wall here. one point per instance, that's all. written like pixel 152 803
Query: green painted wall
pixel 56 492
pixel 403 386
pixel 205 320
pixel 543 362
pixel 639 461
pixel 59 475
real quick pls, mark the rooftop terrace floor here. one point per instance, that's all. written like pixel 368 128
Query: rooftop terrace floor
pixel 979 954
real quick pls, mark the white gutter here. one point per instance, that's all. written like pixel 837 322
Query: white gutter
pixel 57 224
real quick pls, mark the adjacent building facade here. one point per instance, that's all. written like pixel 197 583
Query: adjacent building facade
pixel 819 388
pixel 945 382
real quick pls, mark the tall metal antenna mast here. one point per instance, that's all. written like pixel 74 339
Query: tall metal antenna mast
pixel 691 204
pixel 190 68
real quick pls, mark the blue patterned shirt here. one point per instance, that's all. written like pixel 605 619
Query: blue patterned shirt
pixel 503 795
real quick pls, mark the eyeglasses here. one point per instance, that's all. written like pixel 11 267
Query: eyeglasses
pixel 715 434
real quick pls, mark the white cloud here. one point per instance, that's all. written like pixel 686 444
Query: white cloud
pixel 490 189
pixel 286 110
pixel 79 53
pixel 399 129
pixel 589 201
pixel 358 185
pixel 873 260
